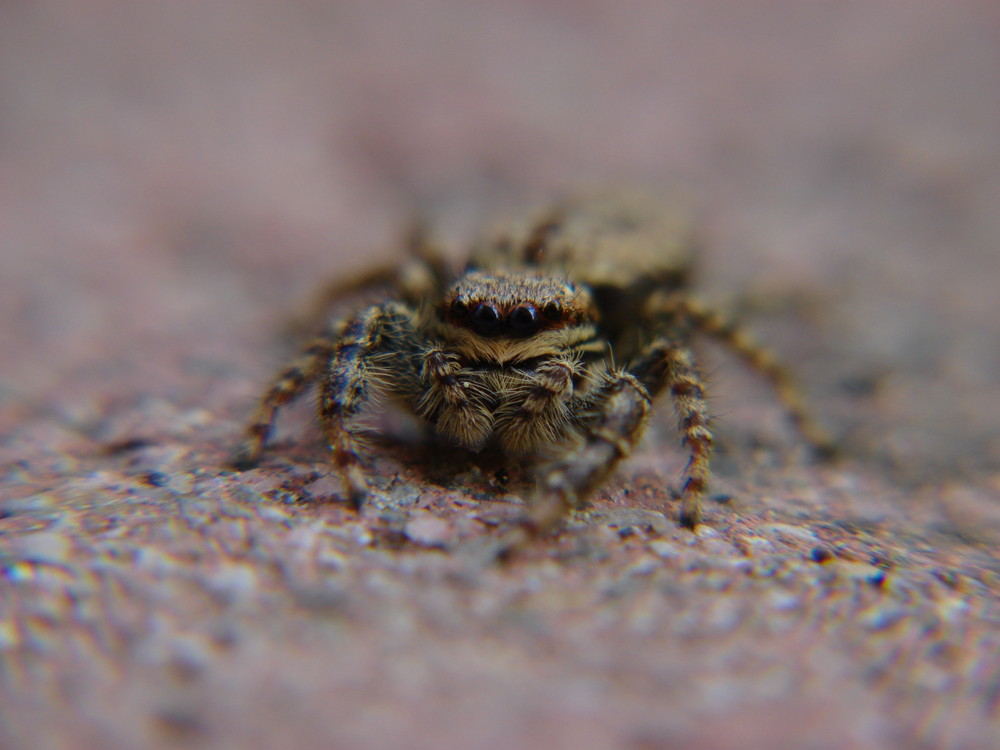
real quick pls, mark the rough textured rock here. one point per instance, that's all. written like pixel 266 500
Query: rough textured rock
pixel 174 178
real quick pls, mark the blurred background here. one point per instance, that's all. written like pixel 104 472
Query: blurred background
pixel 175 176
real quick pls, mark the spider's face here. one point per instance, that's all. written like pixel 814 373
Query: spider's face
pixel 511 316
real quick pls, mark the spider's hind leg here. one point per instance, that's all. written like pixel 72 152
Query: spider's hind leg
pixel 357 359
pixel 419 275
pixel 697 318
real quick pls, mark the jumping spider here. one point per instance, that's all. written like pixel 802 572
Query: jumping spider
pixel 551 345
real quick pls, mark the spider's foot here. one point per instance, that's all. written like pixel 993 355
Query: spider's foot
pixel 356 485
pixel 691 514
pixel 243 457
pixel 549 508
pixel 827 451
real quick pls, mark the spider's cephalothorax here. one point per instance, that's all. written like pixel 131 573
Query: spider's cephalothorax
pixel 552 345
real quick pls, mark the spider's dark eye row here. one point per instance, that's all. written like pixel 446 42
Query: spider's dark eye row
pixel 524 320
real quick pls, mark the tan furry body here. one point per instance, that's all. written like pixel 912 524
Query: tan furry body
pixel 552 345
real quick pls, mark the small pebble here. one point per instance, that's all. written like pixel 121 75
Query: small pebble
pixel 361 534
pixel 783 601
pixel 860 572
pixel 156 561
pixel 270 512
pixel 27 505
pixel 952 608
pixel 429 531
pixel 330 557
pixel 666 550
pixel 325 486
pixel 42 547
pixel 156 478
pixel 179 482
pixel 635 519
pixel 9 635
pixel 821 554
pixel 232 581
pixel 643 566
pixel 718 547
pixel 403 495
pixel 881 617
pixel 756 545
pixel 788 533
pixel 246 495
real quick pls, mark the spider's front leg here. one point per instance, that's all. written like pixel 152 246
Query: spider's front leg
pixel 612 419
pixel 666 363
pixel 373 353
pixel 286 387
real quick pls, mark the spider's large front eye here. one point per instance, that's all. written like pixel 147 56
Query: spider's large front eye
pixel 523 320
pixel 486 320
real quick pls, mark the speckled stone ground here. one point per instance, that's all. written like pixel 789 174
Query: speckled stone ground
pixel 176 177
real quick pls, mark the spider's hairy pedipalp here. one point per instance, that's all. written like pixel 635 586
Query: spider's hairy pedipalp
pixel 537 410
pixel 454 405
pixel 609 423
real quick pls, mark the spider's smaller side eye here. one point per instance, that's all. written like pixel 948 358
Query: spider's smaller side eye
pixel 552 311
pixel 486 320
pixel 523 320
pixel 458 308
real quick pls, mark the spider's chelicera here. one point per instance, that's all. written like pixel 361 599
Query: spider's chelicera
pixel 552 345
